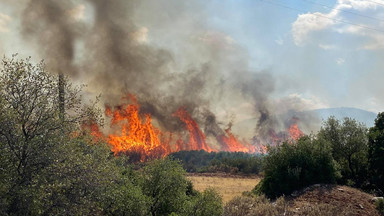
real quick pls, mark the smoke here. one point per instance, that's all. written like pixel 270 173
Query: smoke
pixel 48 25
pixel 202 70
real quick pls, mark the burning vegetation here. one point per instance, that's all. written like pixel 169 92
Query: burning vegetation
pixel 180 90
pixel 134 133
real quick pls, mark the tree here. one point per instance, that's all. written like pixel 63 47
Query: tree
pixel 36 145
pixel 208 203
pixel 292 166
pixel 376 153
pixel 349 148
pixel 165 183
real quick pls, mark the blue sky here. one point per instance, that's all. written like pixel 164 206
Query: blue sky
pixel 315 61
pixel 329 68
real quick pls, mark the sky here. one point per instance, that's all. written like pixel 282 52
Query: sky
pixel 321 53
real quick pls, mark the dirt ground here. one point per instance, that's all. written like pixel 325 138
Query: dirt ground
pixel 349 201
pixel 346 200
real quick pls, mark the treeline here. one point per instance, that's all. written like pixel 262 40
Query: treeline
pixel 50 165
pixel 343 152
pixel 228 162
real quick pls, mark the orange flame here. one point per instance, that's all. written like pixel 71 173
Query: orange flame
pixel 137 136
pixel 196 136
pixel 294 131
pixel 137 133
pixel 232 144
pixel 93 128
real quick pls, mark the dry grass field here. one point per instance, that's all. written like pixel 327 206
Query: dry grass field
pixel 228 186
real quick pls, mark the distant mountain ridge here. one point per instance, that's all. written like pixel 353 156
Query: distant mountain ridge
pixel 360 115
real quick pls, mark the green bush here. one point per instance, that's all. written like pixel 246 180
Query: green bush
pixel 229 162
pixel 292 166
pixel 164 182
pixel 349 143
pixel 380 205
pixel 208 203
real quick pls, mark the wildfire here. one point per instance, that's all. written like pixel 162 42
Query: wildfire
pixel 294 132
pixel 137 136
pixel 196 136
pixel 94 130
pixel 232 144
pixel 137 132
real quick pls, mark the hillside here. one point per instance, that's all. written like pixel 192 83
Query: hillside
pixel 337 200
pixel 366 117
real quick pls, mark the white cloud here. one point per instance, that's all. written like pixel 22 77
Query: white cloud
pixel 310 27
pixel 4 22
pixel 340 61
pixel 307 23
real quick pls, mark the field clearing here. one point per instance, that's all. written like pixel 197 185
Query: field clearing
pixel 228 186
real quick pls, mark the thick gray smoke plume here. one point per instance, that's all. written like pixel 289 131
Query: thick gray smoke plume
pixel 47 24
pixel 204 72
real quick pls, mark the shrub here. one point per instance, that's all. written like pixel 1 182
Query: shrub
pixel 292 166
pixel 208 203
pixel 230 162
pixel 380 205
pixel 349 143
pixel 164 182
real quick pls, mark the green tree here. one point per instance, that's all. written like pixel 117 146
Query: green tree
pixel 292 166
pixel 376 152
pixel 208 203
pixel 45 167
pixel 29 126
pixel 349 148
pixel 166 186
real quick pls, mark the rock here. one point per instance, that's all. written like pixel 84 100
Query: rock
pixel 340 189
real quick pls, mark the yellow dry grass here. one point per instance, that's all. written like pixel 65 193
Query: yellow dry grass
pixel 228 187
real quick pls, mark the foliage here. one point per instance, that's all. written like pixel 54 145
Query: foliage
pixel 208 203
pixel 380 205
pixel 376 153
pixel 292 166
pixel 165 183
pixel 349 143
pixel 125 195
pixel 229 162
pixel 31 133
